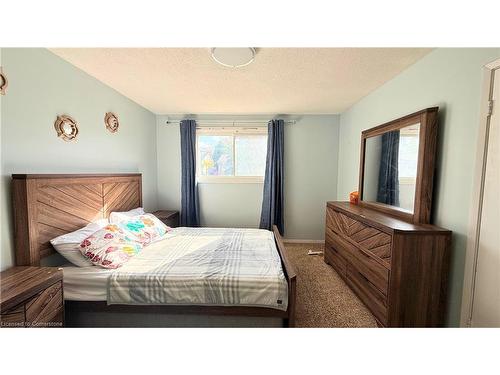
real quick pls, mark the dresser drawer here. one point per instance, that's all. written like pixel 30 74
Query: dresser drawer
pixel 13 317
pixel 364 263
pixel 368 293
pixel 334 222
pixel 32 297
pixel 366 237
pixel 333 258
pixel 46 307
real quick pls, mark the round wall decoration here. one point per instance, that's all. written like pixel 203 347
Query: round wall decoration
pixel 66 128
pixel 3 82
pixel 111 122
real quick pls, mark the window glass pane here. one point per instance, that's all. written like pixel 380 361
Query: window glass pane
pixel 215 155
pixel 250 155
pixel 408 154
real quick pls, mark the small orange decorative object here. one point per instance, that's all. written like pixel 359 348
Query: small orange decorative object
pixel 354 197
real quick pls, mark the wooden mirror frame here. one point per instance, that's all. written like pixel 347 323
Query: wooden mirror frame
pixel 422 202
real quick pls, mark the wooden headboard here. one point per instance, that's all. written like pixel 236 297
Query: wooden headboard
pixel 48 205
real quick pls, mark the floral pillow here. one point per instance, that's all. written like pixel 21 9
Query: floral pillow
pixel 110 247
pixel 145 228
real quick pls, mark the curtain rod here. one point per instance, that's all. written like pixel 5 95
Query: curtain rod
pixel 231 122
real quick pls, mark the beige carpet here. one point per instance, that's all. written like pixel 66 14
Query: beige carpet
pixel 323 299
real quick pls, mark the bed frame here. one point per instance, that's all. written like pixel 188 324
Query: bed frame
pixel 48 205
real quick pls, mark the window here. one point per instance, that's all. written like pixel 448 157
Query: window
pixel 408 154
pixel 231 155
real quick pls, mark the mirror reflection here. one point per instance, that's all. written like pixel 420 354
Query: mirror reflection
pixel 67 128
pixel 391 167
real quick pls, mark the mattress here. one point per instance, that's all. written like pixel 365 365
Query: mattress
pixel 193 266
pixel 85 283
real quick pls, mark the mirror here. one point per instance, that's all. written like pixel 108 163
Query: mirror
pixel 66 128
pixel 391 167
pixel 111 122
pixel 397 166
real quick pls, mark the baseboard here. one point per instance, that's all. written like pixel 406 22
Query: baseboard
pixel 291 240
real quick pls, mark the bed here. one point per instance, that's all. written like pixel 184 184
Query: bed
pixel 196 277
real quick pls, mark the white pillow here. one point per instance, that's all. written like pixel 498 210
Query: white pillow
pixel 116 217
pixel 68 245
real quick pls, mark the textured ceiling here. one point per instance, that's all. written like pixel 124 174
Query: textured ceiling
pixel 279 81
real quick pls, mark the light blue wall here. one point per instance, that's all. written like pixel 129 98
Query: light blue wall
pixel 311 161
pixel 450 79
pixel 41 86
pixel 311 152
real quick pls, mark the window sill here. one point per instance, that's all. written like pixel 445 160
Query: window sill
pixel 407 181
pixel 230 180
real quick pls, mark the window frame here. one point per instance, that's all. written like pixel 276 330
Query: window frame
pixel 228 131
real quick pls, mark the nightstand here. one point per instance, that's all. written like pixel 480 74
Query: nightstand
pixel 32 297
pixel 169 218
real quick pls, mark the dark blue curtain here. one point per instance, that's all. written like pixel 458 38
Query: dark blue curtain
pixel 190 216
pixel 273 200
pixel 388 177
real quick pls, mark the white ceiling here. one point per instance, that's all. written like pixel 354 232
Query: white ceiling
pixel 279 81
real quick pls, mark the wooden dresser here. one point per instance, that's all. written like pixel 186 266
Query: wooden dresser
pixel 31 297
pixel 398 269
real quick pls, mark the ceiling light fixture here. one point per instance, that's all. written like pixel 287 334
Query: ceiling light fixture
pixel 233 57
